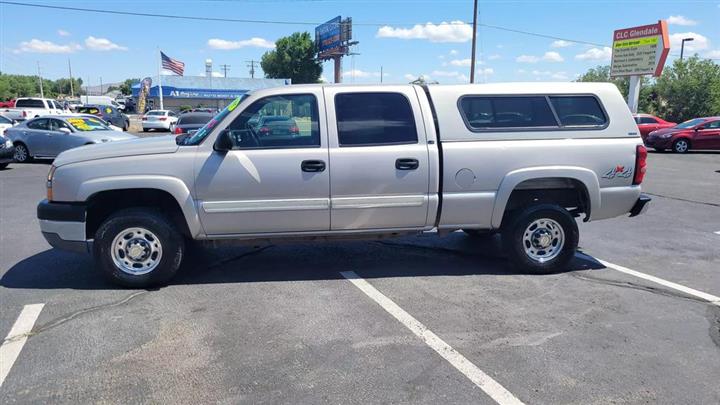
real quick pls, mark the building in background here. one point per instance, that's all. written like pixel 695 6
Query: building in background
pixel 203 91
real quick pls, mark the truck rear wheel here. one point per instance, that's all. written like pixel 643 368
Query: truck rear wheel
pixel 138 248
pixel 541 239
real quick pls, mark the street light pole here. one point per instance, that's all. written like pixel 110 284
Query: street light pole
pixel 682 46
pixel 474 37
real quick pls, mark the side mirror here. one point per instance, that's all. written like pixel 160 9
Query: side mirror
pixel 223 143
pixel 64 130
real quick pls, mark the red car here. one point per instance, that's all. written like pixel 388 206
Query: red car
pixel 698 133
pixel 7 104
pixel 647 123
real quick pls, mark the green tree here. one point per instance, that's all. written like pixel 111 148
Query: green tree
pixel 602 74
pixel 293 58
pixel 126 86
pixel 688 89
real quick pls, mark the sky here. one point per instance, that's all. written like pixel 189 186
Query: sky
pixel 404 38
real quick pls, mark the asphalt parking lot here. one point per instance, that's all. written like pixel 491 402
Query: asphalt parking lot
pixel 412 320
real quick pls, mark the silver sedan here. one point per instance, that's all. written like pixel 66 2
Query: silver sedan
pixel 46 137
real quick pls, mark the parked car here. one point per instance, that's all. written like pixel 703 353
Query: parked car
pixel 8 104
pixel 31 107
pixel 107 113
pixel 99 100
pixel 109 125
pixel 46 137
pixel 191 121
pixel 368 161
pixel 6 123
pixel 647 123
pixel 276 125
pixel 74 104
pixel 159 119
pixel 698 133
pixel 7 151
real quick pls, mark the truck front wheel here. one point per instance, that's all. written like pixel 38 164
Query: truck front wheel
pixel 138 248
pixel 541 239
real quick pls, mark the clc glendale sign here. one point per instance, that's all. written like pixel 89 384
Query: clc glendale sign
pixel 640 50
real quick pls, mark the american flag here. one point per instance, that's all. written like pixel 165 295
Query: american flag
pixel 172 65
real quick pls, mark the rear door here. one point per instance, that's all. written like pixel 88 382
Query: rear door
pixel 37 136
pixel 378 158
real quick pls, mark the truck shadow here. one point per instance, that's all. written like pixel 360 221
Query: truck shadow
pixel 454 255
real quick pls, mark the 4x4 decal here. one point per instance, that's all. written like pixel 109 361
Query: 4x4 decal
pixel 618 171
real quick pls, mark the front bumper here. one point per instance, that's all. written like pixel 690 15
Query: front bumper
pixel 7 155
pixel 63 225
pixel 658 143
pixel 641 205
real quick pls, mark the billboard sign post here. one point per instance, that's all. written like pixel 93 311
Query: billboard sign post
pixel 639 51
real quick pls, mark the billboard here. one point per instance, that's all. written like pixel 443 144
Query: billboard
pixel 327 36
pixel 640 50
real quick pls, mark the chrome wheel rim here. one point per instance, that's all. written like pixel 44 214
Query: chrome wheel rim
pixel 543 240
pixel 20 153
pixel 136 251
pixel 681 146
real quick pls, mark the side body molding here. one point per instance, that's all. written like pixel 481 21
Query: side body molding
pixel 515 177
pixel 172 185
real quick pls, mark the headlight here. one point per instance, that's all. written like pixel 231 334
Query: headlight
pixel 668 135
pixel 49 183
pixel 8 143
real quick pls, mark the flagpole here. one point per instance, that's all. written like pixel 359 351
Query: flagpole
pixel 160 80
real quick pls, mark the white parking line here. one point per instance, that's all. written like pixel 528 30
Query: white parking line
pixel 15 340
pixel 457 360
pixel 715 300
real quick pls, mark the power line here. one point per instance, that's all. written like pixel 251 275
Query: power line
pixel 251 64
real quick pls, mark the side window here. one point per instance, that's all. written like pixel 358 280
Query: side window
pixel 579 111
pixel 41 124
pixel 55 125
pixel 506 112
pixel 647 120
pixel 712 125
pixel 286 121
pixel 374 119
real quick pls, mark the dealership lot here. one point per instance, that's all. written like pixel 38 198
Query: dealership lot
pixel 292 323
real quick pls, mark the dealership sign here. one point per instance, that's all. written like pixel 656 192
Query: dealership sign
pixel 640 50
pixel 328 36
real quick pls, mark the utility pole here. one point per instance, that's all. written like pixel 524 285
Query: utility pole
pixel 251 64
pixel 381 74
pixel 101 87
pixel 72 93
pixel 42 94
pixel 225 69
pixel 474 38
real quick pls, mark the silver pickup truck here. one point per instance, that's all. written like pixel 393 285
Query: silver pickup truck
pixel 336 161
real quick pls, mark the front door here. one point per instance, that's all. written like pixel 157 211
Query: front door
pixel 274 180
pixel 707 137
pixel 58 141
pixel 378 158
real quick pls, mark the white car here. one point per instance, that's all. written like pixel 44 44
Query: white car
pixel 6 123
pixel 32 107
pixel 159 119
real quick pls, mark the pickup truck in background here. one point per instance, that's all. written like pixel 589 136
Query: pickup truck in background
pixel 31 107
pixel 366 161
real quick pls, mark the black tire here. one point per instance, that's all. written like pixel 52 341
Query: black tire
pixel 659 150
pixel 514 243
pixel 171 241
pixel 681 145
pixel 126 126
pixel 145 129
pixel 3 166
pixel 21 157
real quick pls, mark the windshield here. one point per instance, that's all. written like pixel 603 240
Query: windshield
pixel 690 123
pixel 203 132
pixel 87 124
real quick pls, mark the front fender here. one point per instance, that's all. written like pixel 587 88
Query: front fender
pixel 511 180
pixel 172 185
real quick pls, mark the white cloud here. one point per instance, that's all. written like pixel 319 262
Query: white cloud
pixel 713 54
pixel 698 43
pixel 560 44
pixel 603 54
pixel 40 46
pixel 102 44
pixel 486 71
pixel 444 73
pixel 453 52
pixel 680 20
pixel 552 56
pixel 63 33
pixel 217 74
pixel 409 76
pixel 521 71
pixel 223 44
pixel 360 73
pixel 541 73
pixel 454 31
pixel 461 62
pixel 527 59
pixel 462 78
pixel 494 57
pixel 559 76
